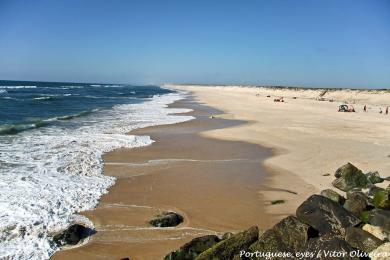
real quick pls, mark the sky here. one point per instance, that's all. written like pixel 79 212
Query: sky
pixel 329 43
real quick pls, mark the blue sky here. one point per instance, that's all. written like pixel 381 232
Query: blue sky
pixel 297 43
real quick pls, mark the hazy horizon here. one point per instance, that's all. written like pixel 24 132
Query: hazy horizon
pixel 313 44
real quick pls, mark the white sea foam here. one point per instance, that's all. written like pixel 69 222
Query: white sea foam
pixel 16 87
pixel 49 174
pixel 70 87
pixel 42 98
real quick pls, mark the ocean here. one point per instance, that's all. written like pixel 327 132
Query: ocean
pixel 52 138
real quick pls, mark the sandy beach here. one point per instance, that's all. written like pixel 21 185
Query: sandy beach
pixel 309 137
pixel 222 170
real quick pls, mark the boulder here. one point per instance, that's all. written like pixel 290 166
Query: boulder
pixel 331 194
pixel 329 247
pixel 356 202
pixel 376 231
pixel 349 177
pixel 230 247
pixel 380 218
pixel 167 219
pixel 381 253
pixel 326 216
pixel 72 235
pixel 361 239
pixel 193 248
pixel 373 177
pixel 289 235
pixel 381 199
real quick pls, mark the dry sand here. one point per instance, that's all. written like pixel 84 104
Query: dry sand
pixel 309 137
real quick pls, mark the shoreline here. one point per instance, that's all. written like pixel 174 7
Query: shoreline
pixel 205 200
pixel 306 140
pixel 308 136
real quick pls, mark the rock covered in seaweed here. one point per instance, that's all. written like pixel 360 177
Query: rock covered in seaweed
pixel 380 218
pixel 356 202
pixel 228 248
pixel 289 235
pixel 331 194
pixel 326 216
pixel 361 239
pixel 374 177
pixel 349 177
pixel 329 243
pixel 381 199
pixel 193 248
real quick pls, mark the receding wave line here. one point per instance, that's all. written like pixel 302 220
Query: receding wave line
pixel 17 128
pixel 84 113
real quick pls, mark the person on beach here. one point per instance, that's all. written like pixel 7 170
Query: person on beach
pixel 387 110
pixel 380 110
pixel 365 108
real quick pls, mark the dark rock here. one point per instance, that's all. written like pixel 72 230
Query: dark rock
pixel 325 215
pixel 228 248
pixel 274 202
pixel 381 199
pixel 356 202
pixel 349 177
pixel 361 239
pixel 381 218
pixel 334 246
pixel 289 235
pixel 373 177
pixel 72 235
pixel 193 248
pixel 331 194
pixel 167 219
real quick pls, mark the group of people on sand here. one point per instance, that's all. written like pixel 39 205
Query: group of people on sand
pixel 380 110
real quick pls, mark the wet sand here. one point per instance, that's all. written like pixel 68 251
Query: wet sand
pixel 213 183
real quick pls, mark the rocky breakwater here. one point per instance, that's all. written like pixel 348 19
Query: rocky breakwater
pixel 326 226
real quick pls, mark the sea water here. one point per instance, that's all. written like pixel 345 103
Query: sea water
pixel 52 138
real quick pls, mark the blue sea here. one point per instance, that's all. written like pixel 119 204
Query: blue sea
pixel 52 138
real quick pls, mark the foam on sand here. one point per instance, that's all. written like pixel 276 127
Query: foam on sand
pixel 48 174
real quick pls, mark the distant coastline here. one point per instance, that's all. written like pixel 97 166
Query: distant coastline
pixel 275 87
